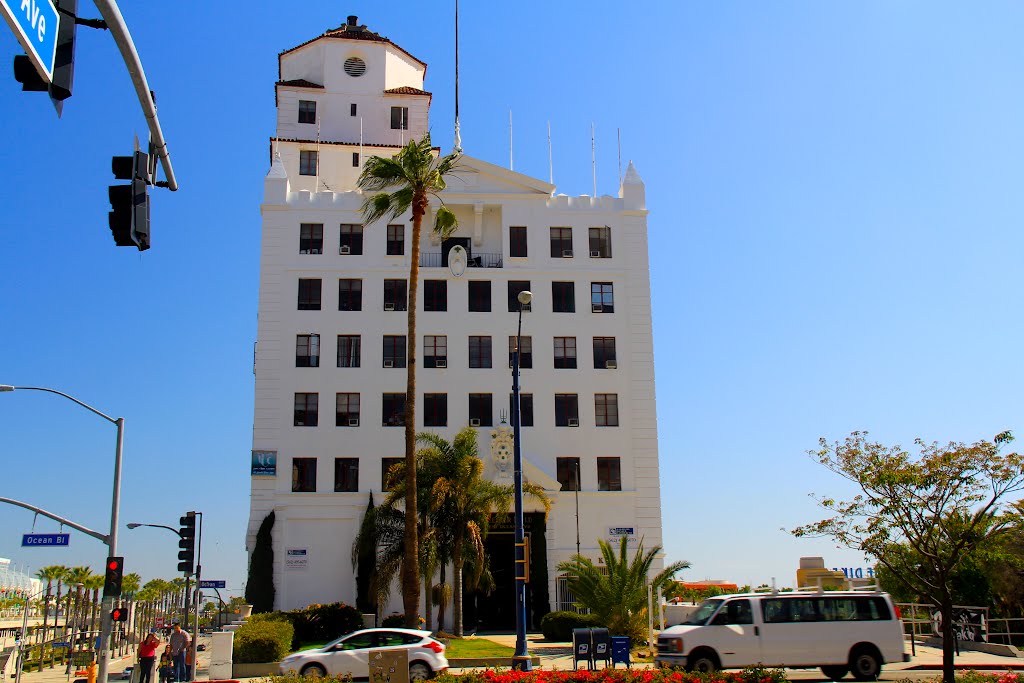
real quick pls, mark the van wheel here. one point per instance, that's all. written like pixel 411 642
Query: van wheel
pixel 865 663
pixel 313 671
pixel 703 661
pixel 835 673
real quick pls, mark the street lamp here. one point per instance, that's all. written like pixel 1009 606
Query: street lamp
pixel 106 626
pixel 521 658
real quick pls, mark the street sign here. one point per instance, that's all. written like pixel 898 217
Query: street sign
pixel 37 540
pixel 213 584
pixel 35 24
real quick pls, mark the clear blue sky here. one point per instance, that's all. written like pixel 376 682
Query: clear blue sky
pixel 835 237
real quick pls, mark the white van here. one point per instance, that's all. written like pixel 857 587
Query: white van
pixel 839 631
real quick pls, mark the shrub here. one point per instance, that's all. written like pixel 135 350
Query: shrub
pixel 393 621
pixel 559 625
pixel 263 638
pixel 319 623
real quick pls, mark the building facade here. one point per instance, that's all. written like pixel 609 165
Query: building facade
pixel 331 347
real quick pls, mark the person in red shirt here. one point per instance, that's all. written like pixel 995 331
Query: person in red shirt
pixel 147 656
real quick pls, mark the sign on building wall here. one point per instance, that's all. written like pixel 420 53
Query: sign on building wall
pixel 296 558
pixel 264 464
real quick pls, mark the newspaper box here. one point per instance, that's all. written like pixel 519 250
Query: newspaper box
pixel 389 666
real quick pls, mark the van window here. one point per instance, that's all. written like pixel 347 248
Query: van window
pixel 703 611
pixel 854 609
pixel 789 610
pixel 734 612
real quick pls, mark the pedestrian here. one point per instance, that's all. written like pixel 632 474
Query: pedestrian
pixel 166 665
pixel 179 642
pixel 147 656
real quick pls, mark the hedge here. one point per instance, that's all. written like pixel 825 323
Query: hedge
pixel 263 638
pixel 559 625
pixel 320 623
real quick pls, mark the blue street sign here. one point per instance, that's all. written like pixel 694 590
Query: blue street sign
pixel 47 540
pixel 213 584
pixel 35 24
pixel 61 644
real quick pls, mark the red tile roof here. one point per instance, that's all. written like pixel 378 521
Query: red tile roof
pixel 406 90
pixel 301 83
pixel 347 32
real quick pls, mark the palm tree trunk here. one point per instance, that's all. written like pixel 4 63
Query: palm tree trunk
pixel 56 619
pixel 457 587
pixel 441 603
pixel 46 614
pixel 411 561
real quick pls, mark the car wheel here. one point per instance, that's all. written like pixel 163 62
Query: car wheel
pixel 419 671
pixel 313 671
pixel 834 673
pixel 865 663
pixel 702 661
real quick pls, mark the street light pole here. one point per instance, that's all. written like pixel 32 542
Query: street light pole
pixel 103 652
pixel 521 657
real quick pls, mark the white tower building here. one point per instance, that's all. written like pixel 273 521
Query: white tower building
pixel 330 353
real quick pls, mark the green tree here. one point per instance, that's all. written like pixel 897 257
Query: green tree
pixel 407 181
pixel 364 560
pixel 619 596
pixel 49 574
pixel 259 588
pixel 921 516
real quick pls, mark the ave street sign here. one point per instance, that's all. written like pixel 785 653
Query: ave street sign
pixel 213 584
pixel 35 24
pixel 40 540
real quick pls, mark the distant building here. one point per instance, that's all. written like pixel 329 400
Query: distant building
pixel 331 348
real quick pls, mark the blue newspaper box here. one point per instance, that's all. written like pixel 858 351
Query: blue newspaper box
pixel 581 647
pixel 620 651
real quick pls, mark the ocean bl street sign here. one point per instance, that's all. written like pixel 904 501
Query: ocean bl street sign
pixel 44 540
pixel 213 584
pixel 35 24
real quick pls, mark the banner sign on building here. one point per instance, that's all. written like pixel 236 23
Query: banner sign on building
pixel 264 464
pixel 296 558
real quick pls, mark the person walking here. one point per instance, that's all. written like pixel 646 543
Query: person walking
pixel 147 656
pixel 179 641
pixel 166 665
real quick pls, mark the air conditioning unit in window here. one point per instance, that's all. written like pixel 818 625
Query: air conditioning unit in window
pixel 389 307
pixel 573 422
pixel 595 254
pixel 345 249
pixel 441 363
pixel 389 363
pixel 353 422
pixel 314 251
pixel 610 365
pixel 474 422
pixel 596 308
pixel 567 253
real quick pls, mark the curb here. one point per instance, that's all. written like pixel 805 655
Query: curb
pixel 966 667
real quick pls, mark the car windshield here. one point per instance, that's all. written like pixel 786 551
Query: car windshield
pixel 703 612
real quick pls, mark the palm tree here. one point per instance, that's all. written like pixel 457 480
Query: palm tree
pixel 407 181
pixel 48 574
pixel 130 585
pixel 94 583
pixel 619 595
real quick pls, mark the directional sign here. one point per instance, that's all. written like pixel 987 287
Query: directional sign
pixel 213 584
pixel 35 24
pixel 40 540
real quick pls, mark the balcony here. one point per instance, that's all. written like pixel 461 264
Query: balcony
pixel 475 260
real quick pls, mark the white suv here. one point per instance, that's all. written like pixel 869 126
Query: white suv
pixel 350 655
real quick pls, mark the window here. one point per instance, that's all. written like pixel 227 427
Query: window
pixel 307 163
pixel 355 159
pixel 790 610
pixel 525 351
pixel 307 351
pixel 350 295
pixel 563 297
pixel 352 109
pixel 733 612
pixel 435 410
pixel 394 295
pixel 396 240
pixel 393 410
pixel 480 410
pixel 561 242
pixel 435 295
pixel 346 475
pixel 394 350
pixel 609 474
pixel 350 239
pixel 346 410
pixel 604 353
pixel 606 410
pixel 525 408
pixel 311 238
pixel 479 352
pixel 307 111
pixel 601 298
pixel 348 350
pixel 399 118
pixel 860 608
pixel 435 351
pixel 601 242
pixel 514 287
pixel 567 410
pixel 309 294
pixel 304 475
pixel 565 352
pixel 479 296
pixel 517 241
pixel 306 410
pixel 568 473
pixel 389 472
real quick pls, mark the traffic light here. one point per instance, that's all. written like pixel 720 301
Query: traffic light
pixel 129 215
pixel 112 582
pixel 63 63
pixel 187 554
pixel 119 614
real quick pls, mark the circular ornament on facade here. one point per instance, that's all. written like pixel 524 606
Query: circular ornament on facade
pixel 457 260
pixel 355 67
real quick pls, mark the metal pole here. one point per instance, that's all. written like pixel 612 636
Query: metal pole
pixel 21 642
pixel 199 572
pixel 521 658
pixel 103 653
pixel 577 507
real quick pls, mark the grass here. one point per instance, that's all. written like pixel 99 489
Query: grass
pixel 473 648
